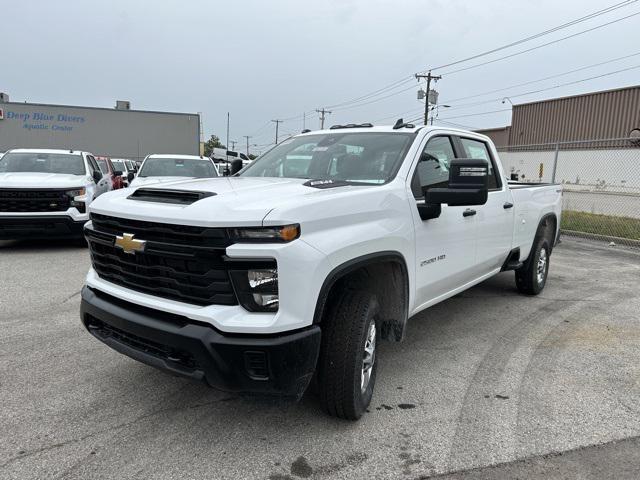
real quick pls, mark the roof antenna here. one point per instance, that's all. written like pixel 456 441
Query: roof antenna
pixel 399 124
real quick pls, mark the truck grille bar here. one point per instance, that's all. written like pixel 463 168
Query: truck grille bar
pixel 178 262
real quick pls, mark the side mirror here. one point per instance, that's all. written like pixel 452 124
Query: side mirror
pixel 131 176
pixel 97 176
pixel 468 185
pixel 236 166
pixel 117 173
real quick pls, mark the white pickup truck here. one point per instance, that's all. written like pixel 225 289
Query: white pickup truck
pixel 46 193
pixel 295 267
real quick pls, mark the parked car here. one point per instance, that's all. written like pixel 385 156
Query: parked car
pixel 46 193
pixel 158 168
pixel 113 176
pixel 120 164
pixel 300 265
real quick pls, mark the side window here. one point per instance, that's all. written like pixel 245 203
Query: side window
pixel 478 149
pixel 433 167
pixel 93 165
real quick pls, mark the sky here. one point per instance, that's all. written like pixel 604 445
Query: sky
pixel 280 59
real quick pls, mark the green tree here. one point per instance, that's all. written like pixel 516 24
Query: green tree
pixel 213 142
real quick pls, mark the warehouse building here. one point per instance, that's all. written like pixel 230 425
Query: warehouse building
pixel 607 114
pixel 115 132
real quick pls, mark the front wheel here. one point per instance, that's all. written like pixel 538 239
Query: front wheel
pixel 532 277
pixel 348 362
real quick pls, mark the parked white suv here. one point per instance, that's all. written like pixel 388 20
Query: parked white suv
pixel 46 193
pixel 300 264
pixel 159 168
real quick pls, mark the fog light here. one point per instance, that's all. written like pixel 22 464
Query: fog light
pixel 257 288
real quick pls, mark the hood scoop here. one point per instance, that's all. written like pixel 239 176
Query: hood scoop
pixel 159 195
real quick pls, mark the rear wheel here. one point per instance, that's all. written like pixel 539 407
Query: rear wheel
pixel 348 363
pixel 532 277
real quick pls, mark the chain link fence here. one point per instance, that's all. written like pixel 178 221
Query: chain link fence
pixel 600 179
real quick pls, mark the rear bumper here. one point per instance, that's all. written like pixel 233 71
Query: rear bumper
pixel 39 226
pixel 280 365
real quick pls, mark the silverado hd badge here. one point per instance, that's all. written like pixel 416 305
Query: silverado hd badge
pixel 129 244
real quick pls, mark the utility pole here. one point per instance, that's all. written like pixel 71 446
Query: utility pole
pixel 233 145
pixel 227 145
pixel 428 77
pixel 277 122
pixel 322 113
pixel 247 137
pixel 304 120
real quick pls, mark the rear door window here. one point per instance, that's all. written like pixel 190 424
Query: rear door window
pixel 479 150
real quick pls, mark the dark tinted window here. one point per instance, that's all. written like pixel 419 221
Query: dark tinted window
pixel 478 149
pixel 433 168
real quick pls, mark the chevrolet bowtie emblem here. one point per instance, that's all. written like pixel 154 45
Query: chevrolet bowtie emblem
pixel 129 244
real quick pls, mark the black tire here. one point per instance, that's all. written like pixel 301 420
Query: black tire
pixel 527 279
pixel 344 333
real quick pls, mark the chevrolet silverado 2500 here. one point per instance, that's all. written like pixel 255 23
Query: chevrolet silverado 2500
pixel 46 193
pixel 298 265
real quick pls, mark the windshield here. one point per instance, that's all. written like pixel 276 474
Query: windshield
pixel 371 158
pixel 43 163
pixel 178 167
pixel 118 165
pixel 103 165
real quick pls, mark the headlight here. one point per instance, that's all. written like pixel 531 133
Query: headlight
pixel 78 197
pixel 285 233
pixel 76 192
pixel 256 288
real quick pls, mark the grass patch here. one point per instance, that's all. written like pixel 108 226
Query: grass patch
pixel 623 227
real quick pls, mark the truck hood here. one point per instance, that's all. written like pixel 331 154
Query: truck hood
pixel 41 180
pixel 238 201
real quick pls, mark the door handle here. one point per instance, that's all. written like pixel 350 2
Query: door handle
pixel 507 205
pixel 468 212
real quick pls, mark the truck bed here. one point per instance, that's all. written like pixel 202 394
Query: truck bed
pixel 532 202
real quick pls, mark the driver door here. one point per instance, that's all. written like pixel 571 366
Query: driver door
pixel 445 246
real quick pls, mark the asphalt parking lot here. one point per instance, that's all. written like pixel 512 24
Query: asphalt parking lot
pixel 489 384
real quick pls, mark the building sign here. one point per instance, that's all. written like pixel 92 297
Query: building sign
pixel 57 123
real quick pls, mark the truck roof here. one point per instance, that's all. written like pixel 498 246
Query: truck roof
pixel 185 157
pixel 390 129
pixel 47 150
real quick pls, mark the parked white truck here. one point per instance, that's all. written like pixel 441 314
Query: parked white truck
pixel 46 193
pixel 299 264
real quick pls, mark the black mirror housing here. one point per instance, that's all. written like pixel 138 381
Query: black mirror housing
pixel 468 184
pixel 131 176
pixel 236 166
pixel 117 173
pixel 97 176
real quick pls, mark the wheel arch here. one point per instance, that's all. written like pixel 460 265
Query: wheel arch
pixel 394 302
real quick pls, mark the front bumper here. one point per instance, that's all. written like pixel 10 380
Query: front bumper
pixel 39 226
pixel 280 364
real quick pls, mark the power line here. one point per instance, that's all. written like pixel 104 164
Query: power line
pixel 405 80
pixel 540 34
pixel 582 32
pixel 544 78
